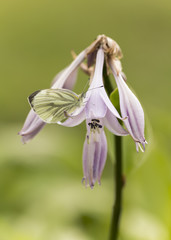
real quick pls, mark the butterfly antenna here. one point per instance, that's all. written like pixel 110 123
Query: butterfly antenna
pixel 95 88
pixel 85 87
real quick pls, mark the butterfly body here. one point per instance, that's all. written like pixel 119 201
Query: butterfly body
pixel 53 105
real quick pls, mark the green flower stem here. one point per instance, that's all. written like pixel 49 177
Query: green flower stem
pixel 118 189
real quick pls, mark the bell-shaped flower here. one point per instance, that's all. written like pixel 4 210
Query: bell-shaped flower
pixel 98 112
pixel 130 107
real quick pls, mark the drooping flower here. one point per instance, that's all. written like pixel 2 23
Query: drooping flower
pixel 98 112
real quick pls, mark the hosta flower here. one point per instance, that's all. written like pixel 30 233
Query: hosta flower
pixel 98 112
pixel 130 107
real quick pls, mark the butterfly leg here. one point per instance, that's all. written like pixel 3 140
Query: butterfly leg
pixel 67 115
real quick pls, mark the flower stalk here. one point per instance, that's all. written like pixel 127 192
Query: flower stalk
pixel 117 171
pixel 118 182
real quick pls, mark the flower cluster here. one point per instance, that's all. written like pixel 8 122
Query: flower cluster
pixel 97 110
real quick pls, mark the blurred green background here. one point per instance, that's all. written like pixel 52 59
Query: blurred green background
pixel 41 195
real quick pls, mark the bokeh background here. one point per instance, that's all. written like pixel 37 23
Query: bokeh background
pixel 41 195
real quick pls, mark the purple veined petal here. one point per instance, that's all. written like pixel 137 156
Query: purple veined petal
pixel 97 154
pixel 29 120
pixel 74 120
pixel 95 107
pixel 96 88
pixel 85 165
pixel 131 107
pixel 31 127
pixel 98 82
pixel 31 134
pixel 113 125
pixel 97 78
pixel 94 156
pixel 103 155
pixel 88 161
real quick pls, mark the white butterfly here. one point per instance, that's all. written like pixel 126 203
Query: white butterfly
pixel 53 105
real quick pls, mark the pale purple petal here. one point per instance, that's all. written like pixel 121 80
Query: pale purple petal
pixel 130 107
pixel 32 126
pixel 95 106
pixel 29 120
pixel 97 85
pixel 94 157
pixel 113 124
pixel 97 156
pixel 88 161
pixel 103 155
pixel 85 165
pixel 97 78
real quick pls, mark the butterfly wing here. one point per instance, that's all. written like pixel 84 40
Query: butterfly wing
pixel 52 105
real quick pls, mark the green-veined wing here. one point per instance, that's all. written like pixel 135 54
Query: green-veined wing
pixel 53 105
